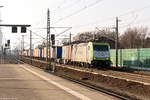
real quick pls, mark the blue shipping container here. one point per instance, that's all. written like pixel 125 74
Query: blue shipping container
pixel 59 52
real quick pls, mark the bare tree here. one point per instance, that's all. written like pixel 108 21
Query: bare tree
pixel 104 35
pixel 134 37
pixel 88 36
pixel 83 37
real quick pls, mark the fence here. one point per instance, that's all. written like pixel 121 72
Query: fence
pixel 132 57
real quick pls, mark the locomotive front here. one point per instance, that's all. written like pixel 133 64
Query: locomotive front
pixel 101 54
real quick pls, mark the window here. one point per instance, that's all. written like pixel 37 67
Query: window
pixel 100 47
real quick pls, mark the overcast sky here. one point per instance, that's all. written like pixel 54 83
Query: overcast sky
pixel 81 15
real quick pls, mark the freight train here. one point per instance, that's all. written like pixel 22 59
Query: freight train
pixel 91 54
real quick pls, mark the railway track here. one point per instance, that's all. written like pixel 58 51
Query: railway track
pixel 124 69
pixel 141 78
pixel 126 75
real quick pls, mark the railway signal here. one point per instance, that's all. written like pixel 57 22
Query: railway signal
pixel 53 39
pixel 8 43
pixel 23 29
pixel 14 29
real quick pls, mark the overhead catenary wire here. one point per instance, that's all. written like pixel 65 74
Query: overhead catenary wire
pixel 63 31
pixel 141 21
pixel 133 11
pixel 60 8
pixel 37 34
pixel 78 11
pixel 130 23
pixel 33 43
pixel 111 18
pixel 41 37
pixel 103 20
pixel 40 22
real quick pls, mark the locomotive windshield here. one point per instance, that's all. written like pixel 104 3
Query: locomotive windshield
pixel 101 51
pixel 100 47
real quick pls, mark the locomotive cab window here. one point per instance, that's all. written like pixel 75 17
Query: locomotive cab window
pixel 100 48
pixel 101 51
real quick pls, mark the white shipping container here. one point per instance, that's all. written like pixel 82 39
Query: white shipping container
pixel 67 52
pixel 35 52
pixel 79 52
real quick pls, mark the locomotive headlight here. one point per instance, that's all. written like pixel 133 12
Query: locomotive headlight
pixel 107 58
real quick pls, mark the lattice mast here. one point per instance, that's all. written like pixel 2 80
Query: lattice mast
pixel 48 54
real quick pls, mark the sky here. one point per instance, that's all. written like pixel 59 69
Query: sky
pixel 81 15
